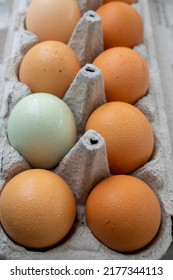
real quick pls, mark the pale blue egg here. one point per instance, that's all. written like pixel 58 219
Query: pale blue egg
pixel 42 128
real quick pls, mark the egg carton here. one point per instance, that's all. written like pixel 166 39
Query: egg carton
pixel 86 163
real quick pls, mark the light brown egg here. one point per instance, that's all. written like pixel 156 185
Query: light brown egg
pixel 52 19
pixel 123 213
pixel 122 25
pixel 125 74
pixel 37 208
pixel 50 67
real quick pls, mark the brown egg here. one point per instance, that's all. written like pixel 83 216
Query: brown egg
pixel 122 25
pixel 37 208
pixel 123 213
pixel 128 135
pixel 125 74
pixel 49 67
pixel 52 19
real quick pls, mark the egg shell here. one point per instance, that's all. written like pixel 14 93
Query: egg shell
pixel 125 74
pixel 122 25
pixel 50 67
pixel 37 208
pixel 52 19
pixel 42 128
pixel 83 245
pixel 128 135
pixel 123 213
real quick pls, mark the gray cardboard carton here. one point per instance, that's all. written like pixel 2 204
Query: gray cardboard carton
pixel 86 164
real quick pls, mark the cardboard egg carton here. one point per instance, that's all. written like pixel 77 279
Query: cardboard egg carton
pixel 86 163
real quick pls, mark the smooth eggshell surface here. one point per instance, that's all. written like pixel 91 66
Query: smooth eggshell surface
pixel 123 213
pixel 122 25
pixel 41 127
pixel 52 19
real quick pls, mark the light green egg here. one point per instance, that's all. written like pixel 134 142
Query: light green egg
pixel 42 128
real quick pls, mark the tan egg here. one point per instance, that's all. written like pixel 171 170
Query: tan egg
pixel 52 19
pixel 122 25
pixel 125 74
pixel 50 67
pixel 123 213
pixel 37 208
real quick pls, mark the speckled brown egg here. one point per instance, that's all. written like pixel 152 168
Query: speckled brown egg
pixel 50 67
pixel 125 74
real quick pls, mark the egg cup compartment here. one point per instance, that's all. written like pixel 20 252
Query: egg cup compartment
pixel 86 5
pixel 86 163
